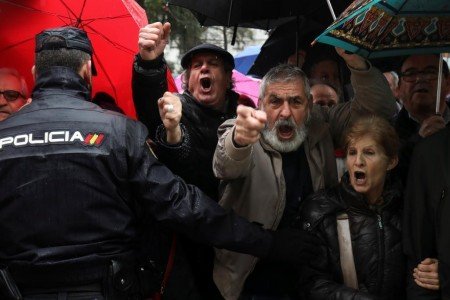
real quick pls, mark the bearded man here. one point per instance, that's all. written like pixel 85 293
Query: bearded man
pixel 270 159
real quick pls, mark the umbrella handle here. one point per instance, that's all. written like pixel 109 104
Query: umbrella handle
pixel 438 92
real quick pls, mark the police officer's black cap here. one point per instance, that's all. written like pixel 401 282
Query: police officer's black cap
pixel 69 38
pixel 207 48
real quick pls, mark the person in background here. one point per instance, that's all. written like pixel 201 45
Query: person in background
pixel 106 101
pixel 13 92
pixel 418 119
pixel 425 223
pixel 323 93
pixel 322 63
pixel 269 160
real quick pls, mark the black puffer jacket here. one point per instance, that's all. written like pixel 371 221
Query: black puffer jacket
pixel 376 242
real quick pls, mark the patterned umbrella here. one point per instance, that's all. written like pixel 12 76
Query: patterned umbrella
pixel 381 28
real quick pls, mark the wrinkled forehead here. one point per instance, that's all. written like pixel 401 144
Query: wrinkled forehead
pixel 9 82
pixel 322 89
pixel 285 89
pixel 420 62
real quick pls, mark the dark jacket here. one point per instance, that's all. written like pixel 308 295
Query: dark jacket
pixel 408 132
pixel 75 181
pixel 376 242
pixel 427 212
pixel 191 159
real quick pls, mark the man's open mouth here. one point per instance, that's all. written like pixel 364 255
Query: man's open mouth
pixel 206 83
pixel 285 130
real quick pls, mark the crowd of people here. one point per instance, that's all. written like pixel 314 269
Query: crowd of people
pixel 310 194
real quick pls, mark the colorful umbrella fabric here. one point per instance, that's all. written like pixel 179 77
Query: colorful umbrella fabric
pixel 381 28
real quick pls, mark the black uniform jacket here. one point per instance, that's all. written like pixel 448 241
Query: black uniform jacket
pixel 75 180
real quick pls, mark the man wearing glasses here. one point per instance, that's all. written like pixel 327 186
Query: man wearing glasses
pixel 13 92
pixel 417 89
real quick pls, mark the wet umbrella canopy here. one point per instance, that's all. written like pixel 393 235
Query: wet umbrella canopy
pixel 112 27
pixel 376 28
pixel 283 42
pixel 262 14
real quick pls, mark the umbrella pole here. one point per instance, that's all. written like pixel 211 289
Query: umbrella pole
pixel 330 7
pixel 297 40
pixel 438 93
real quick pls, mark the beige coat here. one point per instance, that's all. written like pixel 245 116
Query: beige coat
pixel 252 182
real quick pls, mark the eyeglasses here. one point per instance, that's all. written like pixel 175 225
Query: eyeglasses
pixel 11 95
pixel 411 76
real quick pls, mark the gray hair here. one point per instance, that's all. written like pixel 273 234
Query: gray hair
pixel 15 73
pixel 281 74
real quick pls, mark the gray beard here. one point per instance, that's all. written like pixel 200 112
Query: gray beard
pixel 271 137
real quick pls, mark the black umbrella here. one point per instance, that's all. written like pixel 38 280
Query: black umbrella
pixel 262 14
pixel 284 41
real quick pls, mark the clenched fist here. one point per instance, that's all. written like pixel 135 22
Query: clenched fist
pixel 170 111
pixel 249 123
pixel 153 39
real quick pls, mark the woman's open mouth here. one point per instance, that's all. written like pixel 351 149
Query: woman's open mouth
pixel 360 177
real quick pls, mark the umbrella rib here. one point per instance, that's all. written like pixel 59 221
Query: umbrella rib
pixel 124 16
pixel 17 44
pixel 106 75
pixel 81 12
pixel 63 18
pixel 116 45
pixel 71 13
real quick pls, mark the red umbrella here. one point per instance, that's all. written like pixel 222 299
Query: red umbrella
pixel 111 25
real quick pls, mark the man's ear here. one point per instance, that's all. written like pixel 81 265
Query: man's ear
pixel 33 72
pixel 230 79
pixel 86 72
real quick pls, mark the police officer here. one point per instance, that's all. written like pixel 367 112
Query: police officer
pixel 76 180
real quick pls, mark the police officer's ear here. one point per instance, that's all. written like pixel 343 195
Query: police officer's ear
pixel 86 72
pixel 33 72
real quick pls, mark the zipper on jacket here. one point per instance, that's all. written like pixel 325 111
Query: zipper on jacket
pixel 439 212
pixel 380 253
